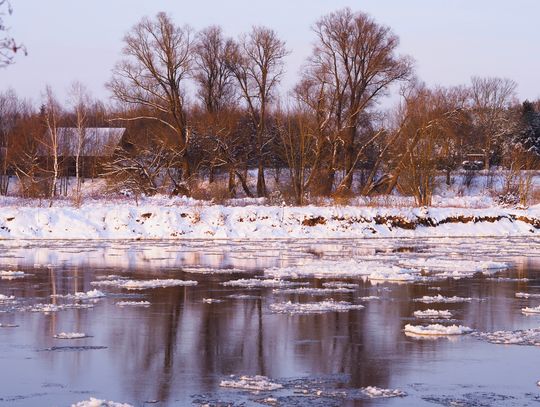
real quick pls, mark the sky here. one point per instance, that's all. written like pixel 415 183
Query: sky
pixel 450 40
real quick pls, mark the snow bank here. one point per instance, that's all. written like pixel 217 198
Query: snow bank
pixel 442 299
pixel 162 219
pixel 143 284
pixel 431 313
pixel 71 335
pixel 256 383
pixel 93 402
pixel 377 392
pixel 437 329
pixel 313 307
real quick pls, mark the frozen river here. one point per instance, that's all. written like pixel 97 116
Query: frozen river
pixel 179 323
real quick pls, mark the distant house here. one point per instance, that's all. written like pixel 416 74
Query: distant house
pixel 95 147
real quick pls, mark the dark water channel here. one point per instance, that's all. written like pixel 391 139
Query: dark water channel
pixel 177 350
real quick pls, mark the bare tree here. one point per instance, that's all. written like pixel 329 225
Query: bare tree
pixel 257 63
pixel 80 102
pixel 9 114
pixel 158 59
pixel 216 87
pixel 355 58
pixel 51 142
pixel 8 46
pixel 491 98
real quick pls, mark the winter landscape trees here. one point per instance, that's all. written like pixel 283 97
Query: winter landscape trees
pixel 205 115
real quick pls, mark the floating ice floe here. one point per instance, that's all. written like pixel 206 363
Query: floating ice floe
pixel 207 270
pixel 143 284
pixel 89 295
pixel 93 402
pixel 244 297
pixel 440 298
pixel 508 279
pixel 437 329
pixel 11 275
pixel 6 297
pixel 71 335
pixel 344 269
pixel 255 383
pixel 370 297
pixel 530 337
pixel 8 325
pixel 258 283
pixel 313 291
pixel 313 307
pixel 339 284
pixel 433 314
pixel 527 295
pixel 133 303
pixel 211 300
pixel 377 392
pixel 455 268
pixel 55 307
pixel 531 310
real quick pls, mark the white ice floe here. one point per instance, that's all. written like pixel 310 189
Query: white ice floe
pixel 255 383
pixel 71 335
pixel 258 283
pixel 531 310
pixel 207 270
pixel 313 291
pixel 46 308
pixel 427 299
pixel 437 329
pixel 339 284
pixel 244 297
pixel 455 268
pixel 313 307
pixel 89 295
pixel 211 300
pixel 93 402
pixel 529 337
pixel 11 275
pixel 133 303
pixel 344 269
pixel 144 284
pixel 6 297
pixel 527 295
pixel 377 392
pixel 433 314
pixel 370 297
pixel 8 325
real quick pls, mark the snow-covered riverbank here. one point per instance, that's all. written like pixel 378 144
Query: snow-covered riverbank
pixel 158 220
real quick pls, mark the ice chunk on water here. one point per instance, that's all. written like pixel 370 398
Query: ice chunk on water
pixel 527 295
pixel 133 303
pixel 437 329
pixel 93 402
pixel 313 307
pixel 531 310
pixel 257 283
pixel 439 298
pixel 431 313
pixel 529 337
pixel 257 383
pixel 89 295
pixel 144 284
pixel 70 335
pixel 377 392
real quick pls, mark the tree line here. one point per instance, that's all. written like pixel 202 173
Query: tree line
pixel 203 105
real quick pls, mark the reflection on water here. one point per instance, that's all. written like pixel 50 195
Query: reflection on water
pixel 179 349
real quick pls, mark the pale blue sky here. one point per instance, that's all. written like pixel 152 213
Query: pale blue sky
pixel 451 40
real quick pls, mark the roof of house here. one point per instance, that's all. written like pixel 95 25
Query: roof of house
pixel 96 141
